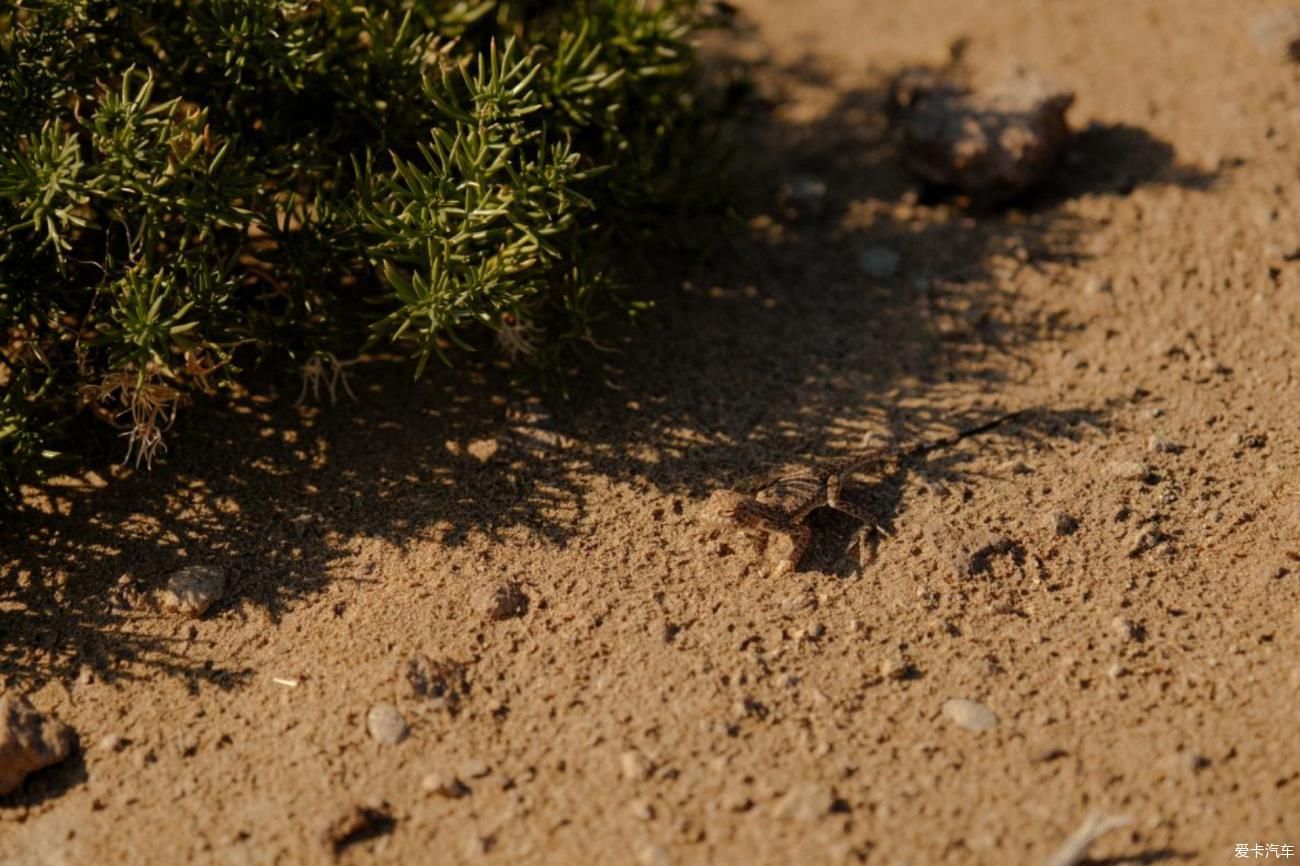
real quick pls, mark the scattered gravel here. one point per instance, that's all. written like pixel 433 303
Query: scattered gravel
pixel 29 741
pixel 386 724
pixel 193 589
pixel 971 715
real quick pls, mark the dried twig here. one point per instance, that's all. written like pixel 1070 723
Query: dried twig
pixel 1074 849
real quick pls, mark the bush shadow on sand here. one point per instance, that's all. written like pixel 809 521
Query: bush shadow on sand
pixel 793 343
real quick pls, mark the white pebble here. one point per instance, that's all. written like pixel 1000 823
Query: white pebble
pixel 386 724
pixel 971 715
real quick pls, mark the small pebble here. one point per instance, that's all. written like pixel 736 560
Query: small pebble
pixel 807 802
pixel 1096 284
pixel 879 263
pixel 971 715
pixel 386 724
pixel 1129 470
pixel 444 784
pixel 473 769
pixel 1125 629
pixel 654 855
pixel 737 801
pixel 505 600
pixel 897 668
pixel 636 768
pixel 193 589
pixel 1277 33
pixel 1161 445
pixel 113 743
pixel 1063 523
pixel 642 810
pixel 1143 540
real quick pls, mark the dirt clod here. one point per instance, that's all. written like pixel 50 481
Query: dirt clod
pixel 29 741
pixel 505 600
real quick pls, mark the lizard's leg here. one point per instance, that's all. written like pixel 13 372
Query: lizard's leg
pixel 800 538
pixel 833 500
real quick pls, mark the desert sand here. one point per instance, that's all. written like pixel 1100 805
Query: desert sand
pixel 587 672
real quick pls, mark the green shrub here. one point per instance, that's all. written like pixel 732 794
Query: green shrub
pixel 192 187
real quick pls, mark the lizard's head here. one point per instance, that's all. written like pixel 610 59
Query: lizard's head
pixel 729 508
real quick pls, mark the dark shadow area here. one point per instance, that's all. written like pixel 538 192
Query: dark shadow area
pixel 49 783
pixel 850 309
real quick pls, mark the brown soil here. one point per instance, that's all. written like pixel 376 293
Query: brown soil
pixel 645 694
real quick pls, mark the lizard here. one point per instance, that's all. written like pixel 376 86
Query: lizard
pixel 782 504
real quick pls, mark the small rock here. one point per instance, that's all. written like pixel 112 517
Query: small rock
pixel 992 144
pixel 737 800
pixel 1159 445
pixel 1277 33
pixel 29 741
pixel 806 802
pixel 1129 470
pixel 1143 540
pixel 113 743
pixel 971 715
pixel 636 767
pixel 1211 364
pixel 386 724
pixel 506 600
pixel 1126 629
pixel 358 823
pixel 654 855
pixel 444 784
pixel 898 668
pixel 642 809
pixel 879 263
pixel 193 589
pixel 1096 284
pixel 473 769
pixel 1063 523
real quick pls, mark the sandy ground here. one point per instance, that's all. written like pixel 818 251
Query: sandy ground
pixel 662 700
